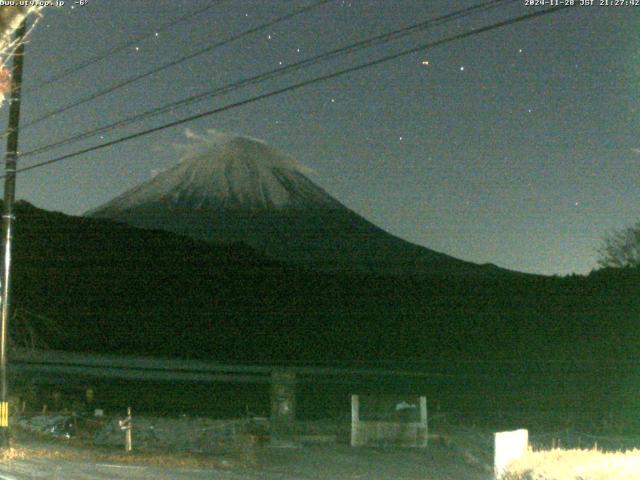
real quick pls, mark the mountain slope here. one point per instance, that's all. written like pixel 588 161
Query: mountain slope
pixel 116 288
pixel 238 189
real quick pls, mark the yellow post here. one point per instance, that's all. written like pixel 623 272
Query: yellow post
pixel 4 414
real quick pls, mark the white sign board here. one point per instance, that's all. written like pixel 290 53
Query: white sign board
pixel 509 446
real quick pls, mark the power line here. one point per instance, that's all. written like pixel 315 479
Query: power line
pixel 386 37
pixel 114 51
pixel 296 86
pixel 173 63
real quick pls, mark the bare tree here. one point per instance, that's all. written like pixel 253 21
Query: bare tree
pixel 621 248
pixel 10 19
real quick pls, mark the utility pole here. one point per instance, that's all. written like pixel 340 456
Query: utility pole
pixel 7 223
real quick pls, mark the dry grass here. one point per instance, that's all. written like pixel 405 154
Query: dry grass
pixel 9 454
pixel 157 459
pixel 34 445
pixel 558 464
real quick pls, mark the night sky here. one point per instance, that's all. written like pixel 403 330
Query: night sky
pixel 519 146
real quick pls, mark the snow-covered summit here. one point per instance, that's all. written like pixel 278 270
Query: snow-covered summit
pixel 220 171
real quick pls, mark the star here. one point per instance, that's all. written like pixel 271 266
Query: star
pixel 462 68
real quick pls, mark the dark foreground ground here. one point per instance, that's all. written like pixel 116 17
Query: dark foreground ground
pixel 322 463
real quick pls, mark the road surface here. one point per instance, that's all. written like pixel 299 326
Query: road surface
pixel 308 463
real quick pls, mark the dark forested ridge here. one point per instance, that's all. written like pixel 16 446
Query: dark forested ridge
pixel 118 289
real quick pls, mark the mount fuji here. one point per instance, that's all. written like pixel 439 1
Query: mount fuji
pixel 230 189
